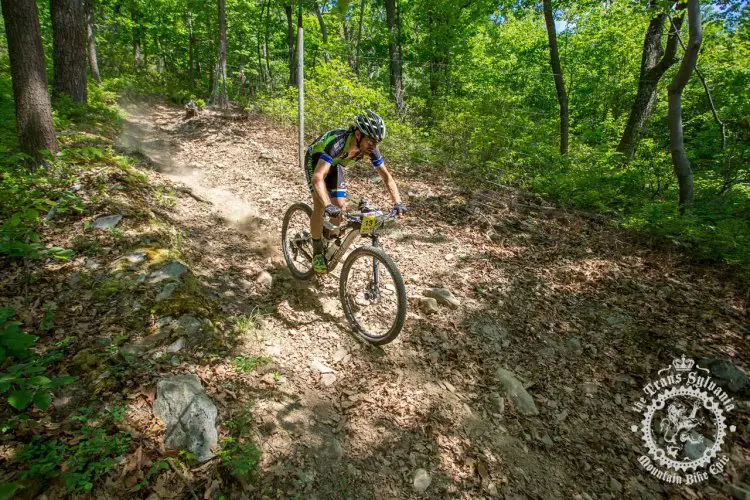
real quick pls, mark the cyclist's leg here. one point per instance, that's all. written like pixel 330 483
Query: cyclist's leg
pixel 337 191
pixel 316 221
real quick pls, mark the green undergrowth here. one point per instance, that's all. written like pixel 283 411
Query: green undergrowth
pixel 642 197
pixel 79 462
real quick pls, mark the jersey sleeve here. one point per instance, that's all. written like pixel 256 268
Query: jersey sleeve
pixel 376 158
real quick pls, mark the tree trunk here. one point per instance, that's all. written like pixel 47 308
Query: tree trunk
pixel 396 84
pixel 348 36
pixel 265 47
pixel 220 88
pixel 652 69
pixel 36 131
pixel 290 45
pixel 137 55
pixel 682 168
pixel 554 56
pixel 323 31
pixel 261 68
pixel 69 48
pixel 359 33
pixel 191 48
pixel 93 61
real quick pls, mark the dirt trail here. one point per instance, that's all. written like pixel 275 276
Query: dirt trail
pixel 583 314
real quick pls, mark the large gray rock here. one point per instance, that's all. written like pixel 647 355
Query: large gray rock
pixel 443 296
pixel 173 270
pixel 727 375
pixel 696 446
pixel 189 415
pixel 106 222
pixel 522 400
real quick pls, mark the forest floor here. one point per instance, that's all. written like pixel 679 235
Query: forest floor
pixel 582 313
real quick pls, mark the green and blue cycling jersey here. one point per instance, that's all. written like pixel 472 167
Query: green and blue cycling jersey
pixel 332 147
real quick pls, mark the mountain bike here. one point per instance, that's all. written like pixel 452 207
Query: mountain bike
pixel 371 288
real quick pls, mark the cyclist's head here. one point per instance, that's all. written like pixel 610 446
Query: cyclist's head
pixel 371 125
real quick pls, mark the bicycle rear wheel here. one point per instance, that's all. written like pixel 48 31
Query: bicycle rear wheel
pixel 372 294
pixel 296 241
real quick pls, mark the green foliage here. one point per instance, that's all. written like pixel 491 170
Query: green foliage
pixel 240 458
pixel 237 454
pixel 153 471
pixel 22 378
pixel 248 363
pixel 87 459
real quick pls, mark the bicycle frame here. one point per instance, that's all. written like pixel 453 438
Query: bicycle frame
pixel 348 240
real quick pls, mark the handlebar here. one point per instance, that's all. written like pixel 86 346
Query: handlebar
pixel 357 216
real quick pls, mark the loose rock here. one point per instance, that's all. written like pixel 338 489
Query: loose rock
pixel 428 304
pixel 422 480
pixel 264 279
pixel 318 366
pixel 106 222
pixel 177 345
pixel 522 400
pixel 173 270
pixel 443 296
pixel 728 376
pixel 189 415
pixel 136 257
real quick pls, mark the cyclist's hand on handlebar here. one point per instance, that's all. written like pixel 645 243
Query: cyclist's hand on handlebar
pixel 332 210
pixel 399 208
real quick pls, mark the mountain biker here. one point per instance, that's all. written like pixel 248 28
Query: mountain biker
pixel 324 162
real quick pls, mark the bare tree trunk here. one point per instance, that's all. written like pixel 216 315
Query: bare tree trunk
pixel 396 84
pixel 191 48
pixel 290 45
pixel 265 47
pixel 36 131
pixel 359 33
pixel 348 37
pixel 323 31
pixel 69 48
pixel 562 97
pixel 138 56
pixel 652 69
pixel 93 61
pixel 261 68
pixel 220 89
pixel 682 168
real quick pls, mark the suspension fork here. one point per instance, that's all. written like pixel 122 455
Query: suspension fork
pixel 375 277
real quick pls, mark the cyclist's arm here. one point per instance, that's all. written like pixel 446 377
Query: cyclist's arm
pixel 389 182
pixel 319 183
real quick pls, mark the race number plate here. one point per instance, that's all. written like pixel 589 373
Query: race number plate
pixel 368 223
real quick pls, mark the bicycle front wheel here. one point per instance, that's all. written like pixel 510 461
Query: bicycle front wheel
pixel 372 294
pixel 296 241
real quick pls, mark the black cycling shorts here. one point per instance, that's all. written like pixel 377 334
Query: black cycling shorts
pixel 335 182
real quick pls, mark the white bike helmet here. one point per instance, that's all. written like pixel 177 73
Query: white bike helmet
pixel 370 124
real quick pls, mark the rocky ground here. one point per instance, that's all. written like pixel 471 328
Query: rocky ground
pixel 522 391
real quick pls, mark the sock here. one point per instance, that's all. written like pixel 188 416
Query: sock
pixel 317 246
